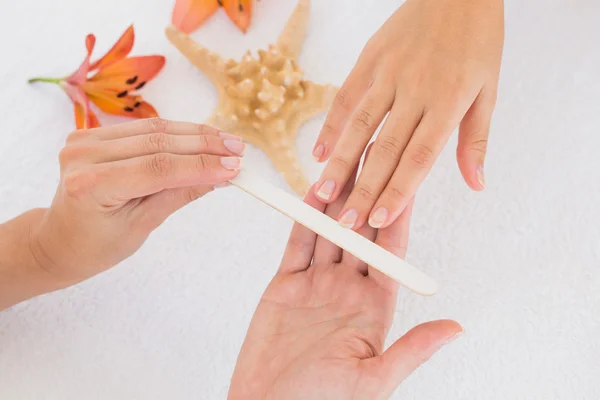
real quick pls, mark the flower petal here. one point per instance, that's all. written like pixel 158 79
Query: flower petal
pixel 110 102
pixel 119 51
pixel 80 76
pixel 84 116
pixel 188 15
pixel 240 12
pixel 127 75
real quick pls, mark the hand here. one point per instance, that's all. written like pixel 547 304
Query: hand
pixel 319 329
pixel 119 183
pixel 433 64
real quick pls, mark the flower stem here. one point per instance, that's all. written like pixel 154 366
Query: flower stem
pixel 49 80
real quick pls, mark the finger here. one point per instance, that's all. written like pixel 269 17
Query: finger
pixel 394 239
pixel 384 159
pixel 417 159
pixel 153 143
pixel 151 125
pixel 344 103
pixel 120 181
pixel 346 219
pixel 473 140
pixel 301 244
pixel 356 134
pixel 409 352
pixel 155 209
pixel 325 251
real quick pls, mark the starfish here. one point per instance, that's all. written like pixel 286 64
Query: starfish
pixel 264 100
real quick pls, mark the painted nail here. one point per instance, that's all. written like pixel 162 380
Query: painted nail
pixel 231 163
pixel 480 176
pixel 221 185
pixel 318 152
pixel 377 219
pixel 226 135
pixel 326 190
pixel 348 218
pixel 235 146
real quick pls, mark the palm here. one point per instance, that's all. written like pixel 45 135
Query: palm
pixel 319 329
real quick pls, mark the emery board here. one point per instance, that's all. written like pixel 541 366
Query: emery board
pixel 328 228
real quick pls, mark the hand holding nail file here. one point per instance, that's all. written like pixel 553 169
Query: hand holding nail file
pixel 352 242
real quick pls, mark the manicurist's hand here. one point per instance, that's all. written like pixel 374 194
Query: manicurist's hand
pixel 117 184
pixel 320 327
pixel 433 65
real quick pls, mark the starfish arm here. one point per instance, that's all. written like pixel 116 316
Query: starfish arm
pixel 209 63
pixel 318 99
pixel 287 163
pixel 293 34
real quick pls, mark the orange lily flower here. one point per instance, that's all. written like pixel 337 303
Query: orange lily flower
pixel 113 86
pixel 188 15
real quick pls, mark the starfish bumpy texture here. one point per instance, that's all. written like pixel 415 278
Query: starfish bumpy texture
pixel 264 100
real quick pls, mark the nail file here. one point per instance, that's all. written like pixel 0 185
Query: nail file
pixel 325 226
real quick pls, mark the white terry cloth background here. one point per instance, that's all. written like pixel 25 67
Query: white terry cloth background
pixel 518 264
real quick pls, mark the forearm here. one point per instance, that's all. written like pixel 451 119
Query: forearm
pixel 22 276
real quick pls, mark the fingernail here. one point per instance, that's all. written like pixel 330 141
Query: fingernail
pixel 480 176
pixel 377 219
pixel 348 218
pixel 234 146
pixel 318 152
pixel 226 135
pixel 231 163
pixel 453 338
pixel 326 190
pixel 222 185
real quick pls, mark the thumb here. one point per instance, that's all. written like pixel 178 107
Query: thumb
pixel 410 351
pixel 156 208
pixel 473 139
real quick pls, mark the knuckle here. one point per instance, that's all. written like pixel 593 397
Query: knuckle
pixel 160 165
pixel 76 183
pixel 395 194
pixel 363 120
pixel 202 163
pixel 158 142
pixel 158 124
pixel 195 193
pixel 204 142
pixel 329 130
pixel 343 99
pixel 341 162
pixel 202 129
pixel 479 146
pixel 389 146
pixel 422 156
pixel 366 193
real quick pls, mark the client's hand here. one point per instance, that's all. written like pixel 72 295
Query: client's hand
pixel 117 184
pixel 320 327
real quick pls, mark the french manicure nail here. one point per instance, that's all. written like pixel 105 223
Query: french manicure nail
pixel 226 135
pixel 221 185
pixel 234 146
pixel 377 219
pixel 326 190
pixel 318 152
pixel 348 218
pixel 231 163
pixel 480 176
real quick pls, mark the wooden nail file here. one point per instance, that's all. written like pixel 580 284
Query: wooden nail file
pixel 362 248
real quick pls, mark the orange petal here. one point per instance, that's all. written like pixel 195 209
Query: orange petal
pixel 79 76
pixel 118 52
pixel 127 75
pixel 188 15
pixel 111 102
pixel 84 116
pixel 240 12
